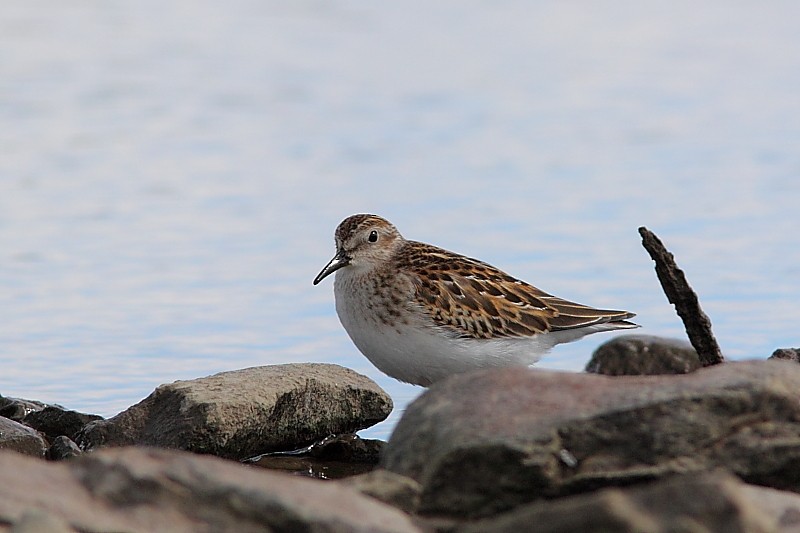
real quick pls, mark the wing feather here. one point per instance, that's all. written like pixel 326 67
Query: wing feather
pixel 470 298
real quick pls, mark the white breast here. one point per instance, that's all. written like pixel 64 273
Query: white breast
pixel 411 347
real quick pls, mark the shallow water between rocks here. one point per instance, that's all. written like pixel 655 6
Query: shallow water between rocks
pixel 171 175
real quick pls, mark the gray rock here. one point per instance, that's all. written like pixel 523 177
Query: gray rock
pixel 396 490
pixel 698 503
pixel 16 408
pixel 636 355
pixel 488 441
pixel 145 489
pixel 19 438
pixel 243 413
pixel 789 354
pixel 63 448
pixel 55 421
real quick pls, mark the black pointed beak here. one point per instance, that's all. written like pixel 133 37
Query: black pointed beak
pixel 339 260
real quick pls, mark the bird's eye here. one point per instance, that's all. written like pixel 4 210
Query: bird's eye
pixel 373 236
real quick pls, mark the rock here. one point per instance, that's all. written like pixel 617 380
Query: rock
pixel 789 354
pixel 488 441
pixel 247 412
pixel 334 457
pixel 16 409
pixel 35 521
pixel 635 355
pixel 396 490
pixel 55 421
pixel 349 448
pixel 19 438
pixel 698 503
pixel 144 489
pixel 63 448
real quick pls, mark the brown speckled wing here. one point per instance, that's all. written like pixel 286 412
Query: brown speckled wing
pixel 474 299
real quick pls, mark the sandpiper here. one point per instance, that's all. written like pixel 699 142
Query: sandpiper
pixel 421 313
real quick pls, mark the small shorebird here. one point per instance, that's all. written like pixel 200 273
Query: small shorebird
pixel 421 313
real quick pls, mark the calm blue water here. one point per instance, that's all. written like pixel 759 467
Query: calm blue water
pixel 171 175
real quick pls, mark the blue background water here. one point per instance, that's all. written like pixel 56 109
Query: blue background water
pixel 171 173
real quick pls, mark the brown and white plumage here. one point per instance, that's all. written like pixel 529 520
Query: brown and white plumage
pixel 421 313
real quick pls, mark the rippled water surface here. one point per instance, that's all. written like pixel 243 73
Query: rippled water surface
pixel 171 173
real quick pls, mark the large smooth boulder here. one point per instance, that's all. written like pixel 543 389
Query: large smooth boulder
pixel 485 442
pixel 146 489
pixel 247 412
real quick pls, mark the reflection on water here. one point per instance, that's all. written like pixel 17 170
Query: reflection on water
pixel 171 175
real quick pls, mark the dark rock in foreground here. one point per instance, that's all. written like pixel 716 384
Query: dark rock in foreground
pixel 144 490
pixel 638 355
pixel 22 439
pixel 247 412
pixel 693 503
pixel 488 441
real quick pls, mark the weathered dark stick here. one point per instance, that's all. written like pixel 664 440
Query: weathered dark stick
pixel 681 295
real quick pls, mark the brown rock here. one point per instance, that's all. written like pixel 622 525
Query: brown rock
pixel 488 441
pixel 788 354
pixel 396 490
pixel 144 490
pixel 698 503
pixel 22 439
pixel 637 355
pixel 247 412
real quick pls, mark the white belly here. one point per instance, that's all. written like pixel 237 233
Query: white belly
pixel 415 350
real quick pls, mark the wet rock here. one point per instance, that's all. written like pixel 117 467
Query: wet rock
pixel 244 413
pixel 55 421
pixel 144 489
pixel 396 490
pixel 789 354
pixel 698 503
pixel 22 439
pixel 489 441
pixel 635 355
pixel 62 448
pixel 334 457
pixel 16 408
pixel 349 448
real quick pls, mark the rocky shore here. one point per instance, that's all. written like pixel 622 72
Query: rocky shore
pixel 657 444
